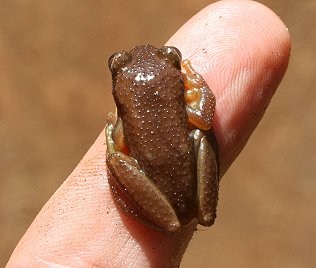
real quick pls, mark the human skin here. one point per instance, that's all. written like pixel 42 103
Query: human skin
pixel 242 49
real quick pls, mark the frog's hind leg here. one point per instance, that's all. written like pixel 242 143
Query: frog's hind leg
pixel 207 176
pixel 200 106
pixel 134 192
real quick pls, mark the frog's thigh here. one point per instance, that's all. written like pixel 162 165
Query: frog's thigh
pixel 142 193
pixel 207 178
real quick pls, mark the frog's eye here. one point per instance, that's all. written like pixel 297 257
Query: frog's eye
pixel 118 60
pixel 171 55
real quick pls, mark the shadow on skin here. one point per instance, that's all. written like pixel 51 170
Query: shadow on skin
pixel 145 235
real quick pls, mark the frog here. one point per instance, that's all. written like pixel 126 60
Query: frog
pixel 162 154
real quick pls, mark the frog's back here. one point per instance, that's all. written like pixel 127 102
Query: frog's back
pixel 149 95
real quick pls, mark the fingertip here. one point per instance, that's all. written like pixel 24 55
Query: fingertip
pixel 242 50
pixel 228 19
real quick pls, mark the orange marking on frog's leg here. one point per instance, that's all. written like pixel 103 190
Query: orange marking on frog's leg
pixel 118 137
pixel 199 98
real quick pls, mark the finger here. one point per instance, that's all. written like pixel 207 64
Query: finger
pixel 242 58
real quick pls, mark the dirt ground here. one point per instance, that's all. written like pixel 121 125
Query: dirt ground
pixel 55 93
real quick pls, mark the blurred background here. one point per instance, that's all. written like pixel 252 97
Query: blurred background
pixel 55 93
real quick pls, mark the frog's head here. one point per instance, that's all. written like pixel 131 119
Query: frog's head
pixel 147 73
pixel 144 58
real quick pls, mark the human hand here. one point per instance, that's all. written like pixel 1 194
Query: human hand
pixel 241 49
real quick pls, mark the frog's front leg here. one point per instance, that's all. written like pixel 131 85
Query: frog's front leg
pixel 140 196
pixel 199 98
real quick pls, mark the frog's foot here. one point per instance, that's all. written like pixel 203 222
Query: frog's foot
pixel 134 191
pixel 207 177
pixel 199 98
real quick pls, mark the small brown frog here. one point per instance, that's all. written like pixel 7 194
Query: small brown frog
pixel 161 151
